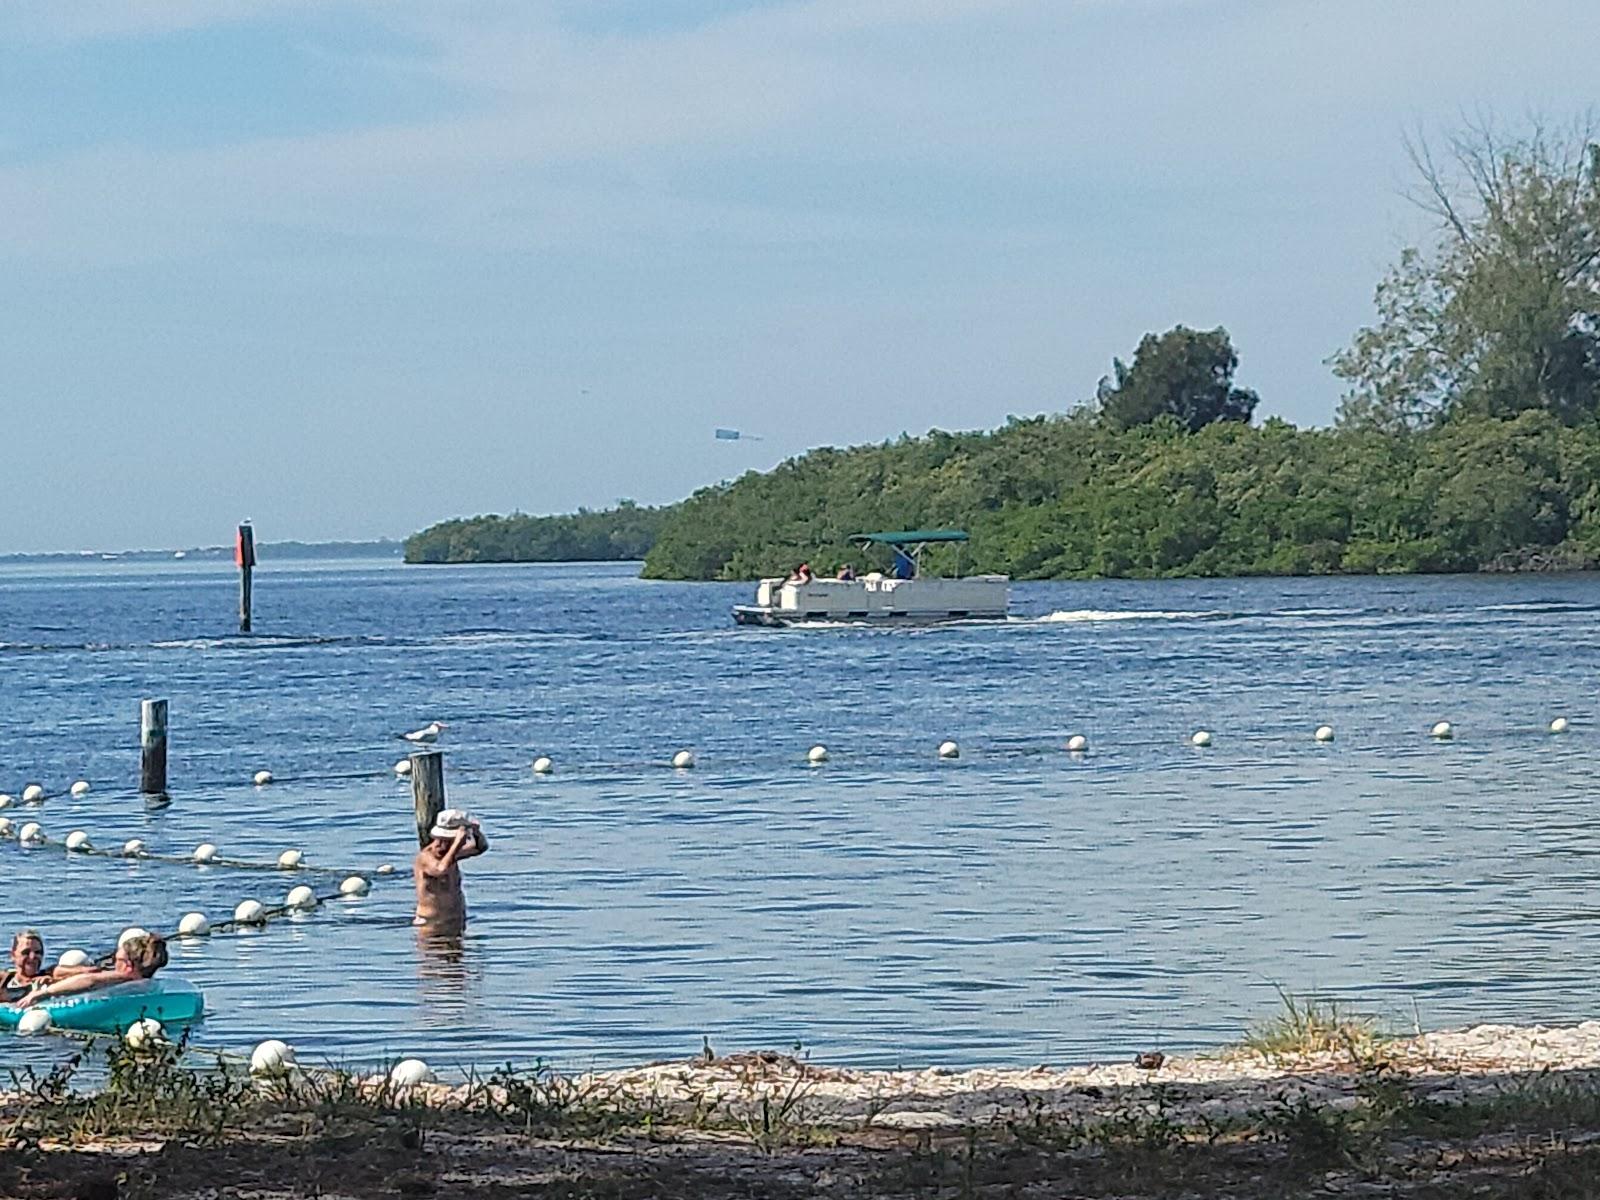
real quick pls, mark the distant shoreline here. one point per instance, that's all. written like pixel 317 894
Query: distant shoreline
pixel 382 548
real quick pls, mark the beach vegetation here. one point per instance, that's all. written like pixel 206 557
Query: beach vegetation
pixel 1468 439
pixel 621 534
pixel 1497 312
pixel 161 1122
pixel 1308 1026
pixel 1185 374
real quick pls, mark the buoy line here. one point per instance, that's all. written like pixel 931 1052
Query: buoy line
pixel 133 851
pixel 250 914
pixel 230 783
pixel 686 759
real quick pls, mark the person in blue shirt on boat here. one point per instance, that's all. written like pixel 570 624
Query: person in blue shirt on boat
pixel 905 567
pixel 139 957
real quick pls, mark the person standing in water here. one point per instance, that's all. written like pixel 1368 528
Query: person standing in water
pixel 440 902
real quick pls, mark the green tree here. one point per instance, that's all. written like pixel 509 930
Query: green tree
pixel 1500 312
pixel 1183 373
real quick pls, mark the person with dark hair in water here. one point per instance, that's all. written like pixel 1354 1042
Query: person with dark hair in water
pixel 27 972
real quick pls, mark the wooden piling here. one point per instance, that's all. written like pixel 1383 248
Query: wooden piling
pixel 153 747
pixel 427 791
pixel 244 554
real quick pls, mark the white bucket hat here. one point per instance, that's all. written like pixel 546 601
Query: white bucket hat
pixel 449 822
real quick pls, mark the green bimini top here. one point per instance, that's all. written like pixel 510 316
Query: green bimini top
pixel 911 537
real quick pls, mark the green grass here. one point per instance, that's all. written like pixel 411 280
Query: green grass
pixel 1307 1026
pixel 213 1129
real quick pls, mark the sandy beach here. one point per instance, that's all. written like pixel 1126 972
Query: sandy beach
pixel 1497 1110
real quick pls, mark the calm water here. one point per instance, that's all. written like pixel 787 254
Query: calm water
pixel 1017 906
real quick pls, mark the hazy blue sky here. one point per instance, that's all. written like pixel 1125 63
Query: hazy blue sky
pixel 348 268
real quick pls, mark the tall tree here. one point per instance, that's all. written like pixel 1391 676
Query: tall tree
pixel 1500 312
pixel 1183 373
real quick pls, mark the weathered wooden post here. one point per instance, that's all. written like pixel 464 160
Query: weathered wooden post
pixel 427 791
pixel 153 747
pixel 244 554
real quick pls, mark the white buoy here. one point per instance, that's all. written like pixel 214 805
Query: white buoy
pixel 35 1020
pixel 30 834
pixel 73 958
pixel 32 794
pixel 300 898
pixel 817 755
pixel 683 760
pixel 543 766
pixel 1443 731
pixel 80 788
pixel 1560 725
pixel 205 852
pixel 133 848
pixel 144 1033
pixel 949 750
pixel 354 885
pixel 250 912
pixel 271 1057
pixel 1324 733
pixel 1200 737
pixel 78 840
pixel 409 1072
pixel 5 827
pixel 1077 743
pixel 194 925
pixel 385 869
pixel 5 800
pixel 403 767
pixel 262 778
pixel 131 932
pixel 290 860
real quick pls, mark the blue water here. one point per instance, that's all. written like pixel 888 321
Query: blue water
pixel 1019 905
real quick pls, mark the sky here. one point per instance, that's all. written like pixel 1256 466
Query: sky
pixel 350 267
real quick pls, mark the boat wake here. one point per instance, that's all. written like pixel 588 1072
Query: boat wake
pixel 1080 615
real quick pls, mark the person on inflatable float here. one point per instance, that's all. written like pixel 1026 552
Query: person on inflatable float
pixel 27 961
pixel 137 958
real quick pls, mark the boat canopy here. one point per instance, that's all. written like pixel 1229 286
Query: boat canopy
pixel 911 538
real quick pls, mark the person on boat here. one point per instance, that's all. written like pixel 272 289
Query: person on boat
pixel 802 573
pixel 140 957
pixel 440 901
pixel 27 963
pixel 905 567
pixel 847 573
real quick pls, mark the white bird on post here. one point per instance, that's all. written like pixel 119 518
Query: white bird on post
pixel 428 733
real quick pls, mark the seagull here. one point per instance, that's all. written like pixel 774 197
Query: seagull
pixel 428 733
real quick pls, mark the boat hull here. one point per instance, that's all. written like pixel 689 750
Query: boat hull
pixel 876 600
pixel 750 614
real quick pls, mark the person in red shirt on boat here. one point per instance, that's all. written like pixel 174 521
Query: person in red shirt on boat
pixel 802 573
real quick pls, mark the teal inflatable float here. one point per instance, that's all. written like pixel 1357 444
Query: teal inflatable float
pixel 112 1009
